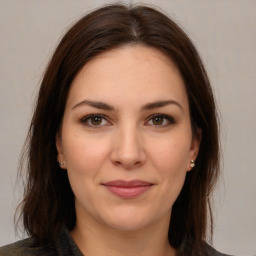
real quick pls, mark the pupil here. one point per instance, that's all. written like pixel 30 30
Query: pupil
pixel 158 120
pixel 96 120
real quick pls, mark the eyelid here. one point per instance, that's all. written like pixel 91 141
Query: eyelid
pixel 84 120
pixel 87 117
pixel 169 118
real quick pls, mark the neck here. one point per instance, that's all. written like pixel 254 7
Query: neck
pixel 95 239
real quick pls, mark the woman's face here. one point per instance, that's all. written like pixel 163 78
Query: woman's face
pixel 126 138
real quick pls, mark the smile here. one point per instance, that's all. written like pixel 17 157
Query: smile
pixel 128 189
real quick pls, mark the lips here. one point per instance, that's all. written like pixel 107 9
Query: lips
pixel 128 189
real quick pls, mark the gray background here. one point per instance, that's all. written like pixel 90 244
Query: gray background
pixel 224 31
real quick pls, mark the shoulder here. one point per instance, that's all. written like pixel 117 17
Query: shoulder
pixel 18 248
pixel 25 247
pixel 203 250
pixel 64 245
pixel 212 252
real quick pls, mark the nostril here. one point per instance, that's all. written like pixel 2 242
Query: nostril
pixel 137 163
pixel 128 154
pixel 128 165
pixel 117 162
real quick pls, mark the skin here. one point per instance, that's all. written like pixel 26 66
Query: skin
pixel 126 143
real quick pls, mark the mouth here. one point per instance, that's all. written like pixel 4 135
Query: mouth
pixel 128 189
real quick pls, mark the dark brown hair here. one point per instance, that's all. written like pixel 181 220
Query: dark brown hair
pixel 48 202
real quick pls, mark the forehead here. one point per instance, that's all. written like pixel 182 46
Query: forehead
pixel 129 74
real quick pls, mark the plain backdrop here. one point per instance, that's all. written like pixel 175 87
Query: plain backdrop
pixel 224 31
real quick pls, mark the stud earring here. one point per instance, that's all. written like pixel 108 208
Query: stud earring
pixel 60 163
pixel 192 163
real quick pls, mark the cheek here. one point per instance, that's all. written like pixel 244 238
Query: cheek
pixel 170 161
pixel 84 154
pixel 171 156
pixel 84 159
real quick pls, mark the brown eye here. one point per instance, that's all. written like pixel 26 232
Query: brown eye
pixel 158 120
pixel 161 120
pixel 96 120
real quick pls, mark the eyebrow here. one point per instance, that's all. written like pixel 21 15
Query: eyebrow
pixel 95 104
pixel 159 104
pixel 148 106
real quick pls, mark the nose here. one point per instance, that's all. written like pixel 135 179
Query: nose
pixel 128 149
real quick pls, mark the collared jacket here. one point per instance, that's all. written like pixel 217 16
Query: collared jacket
pixel 65 246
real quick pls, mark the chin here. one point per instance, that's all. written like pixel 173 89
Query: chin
pixel 127 226
pixel 128 219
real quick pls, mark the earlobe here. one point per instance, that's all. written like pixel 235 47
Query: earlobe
pixel 192 163
pixel 60 155
pixel 194 149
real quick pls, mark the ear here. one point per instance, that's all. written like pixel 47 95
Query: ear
pixel 194 148
pixel 60 154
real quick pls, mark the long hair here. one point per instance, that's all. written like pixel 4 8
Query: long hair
pixel 48 202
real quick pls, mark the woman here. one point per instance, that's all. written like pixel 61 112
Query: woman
pixel 123 148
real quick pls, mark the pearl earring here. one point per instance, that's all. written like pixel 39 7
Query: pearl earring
pixel 192 163
pixel 60 163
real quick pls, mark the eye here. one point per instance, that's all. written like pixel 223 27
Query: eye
pixel 161 120
pixel 95 120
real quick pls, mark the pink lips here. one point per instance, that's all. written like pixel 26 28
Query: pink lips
pixel 128 189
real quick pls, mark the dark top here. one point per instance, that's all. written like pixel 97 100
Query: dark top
pixel 66 247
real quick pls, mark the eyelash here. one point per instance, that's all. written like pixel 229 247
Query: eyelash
pixel 88 118
pixel 170 120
